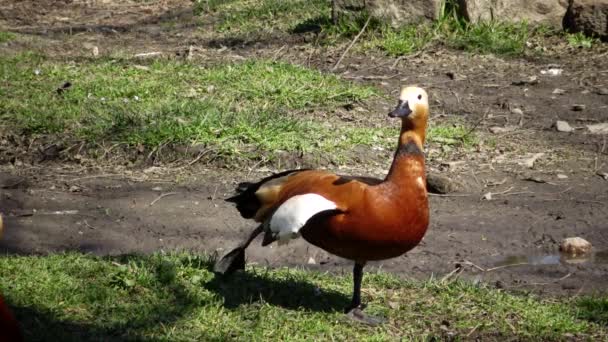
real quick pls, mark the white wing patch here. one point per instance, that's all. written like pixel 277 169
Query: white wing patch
pixel 293 214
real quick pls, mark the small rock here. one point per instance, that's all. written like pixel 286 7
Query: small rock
pixel 95 51
pixel 601 128
pixel 75 188
pixel 603 175
pixel 148 54
pixel 530 81
pixel 529 162
pixel 552 72
pixel 578 107
pixel 517 111
pixel 563 126
pixel 535 179
pixel 452 164
pixel 561 176
pixel 498 130
pixel 153 169
pixel 558 91
pixel 487 196
pixel 575 246
pixel 157 188
pixel 311 261
pixel 439 184
pixel 602 91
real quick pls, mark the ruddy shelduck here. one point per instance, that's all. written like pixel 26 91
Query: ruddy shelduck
pixel 357 218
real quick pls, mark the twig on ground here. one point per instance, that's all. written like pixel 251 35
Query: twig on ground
pixel 488 196
pixel 466 262
pixel 371 77
pixel 397 61
pixel 88 225
pixel 276 54
pixel 449 195
pixel 94 176
pixel 162 196
pixel 473 330
pixel 547 283
pixel 455 272
pixel 214 192
pixel 505 266
pixel 351 44
pixel 198 157
pixel 596 168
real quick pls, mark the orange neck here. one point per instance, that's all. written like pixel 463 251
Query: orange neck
pixel 412 131
pixel 409 157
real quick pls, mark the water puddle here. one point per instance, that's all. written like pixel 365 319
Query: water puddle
pixel 599 257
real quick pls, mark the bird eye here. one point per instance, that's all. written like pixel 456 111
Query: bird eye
pixel 419 97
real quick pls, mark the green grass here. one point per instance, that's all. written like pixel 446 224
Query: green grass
pixel 232 108
pixel 247 110
pixel 493 37
pixel 74 297
pixel 6 36
pixel 579 40
pixel 252 16
pixel 238 18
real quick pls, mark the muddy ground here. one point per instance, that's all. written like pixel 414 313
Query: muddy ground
pixel 509 239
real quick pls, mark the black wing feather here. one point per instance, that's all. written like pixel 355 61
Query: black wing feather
pixel 247 203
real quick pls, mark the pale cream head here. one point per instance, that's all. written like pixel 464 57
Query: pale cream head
pixel 416 98
pixel 413 102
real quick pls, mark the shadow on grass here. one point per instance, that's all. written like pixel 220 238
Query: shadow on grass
pixel 105 318
pixel 593 309
pixel 162 300
pixel 288 292
pixel 312 25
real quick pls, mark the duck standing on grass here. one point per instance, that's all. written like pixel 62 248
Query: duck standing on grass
pixel 357 218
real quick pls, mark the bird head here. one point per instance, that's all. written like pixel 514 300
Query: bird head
pixel 413 104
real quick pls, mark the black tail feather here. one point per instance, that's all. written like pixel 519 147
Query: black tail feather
pixel 231 262
pixel 247 203
pixel 235 259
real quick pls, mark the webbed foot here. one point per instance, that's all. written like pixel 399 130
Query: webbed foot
pixel 357 315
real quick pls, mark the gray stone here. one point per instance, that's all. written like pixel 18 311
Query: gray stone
pixel 438 184
pixel 589 17
pixel 578 107
pixel 397 12
pixel 563 126
pixel 600 128
pixel 575 246
pixel 547 12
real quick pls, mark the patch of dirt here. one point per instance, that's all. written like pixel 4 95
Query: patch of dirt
pixel 509 238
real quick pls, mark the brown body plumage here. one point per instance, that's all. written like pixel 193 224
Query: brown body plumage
pixel 369 219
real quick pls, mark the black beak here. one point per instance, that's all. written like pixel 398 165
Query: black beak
pixel 402 110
